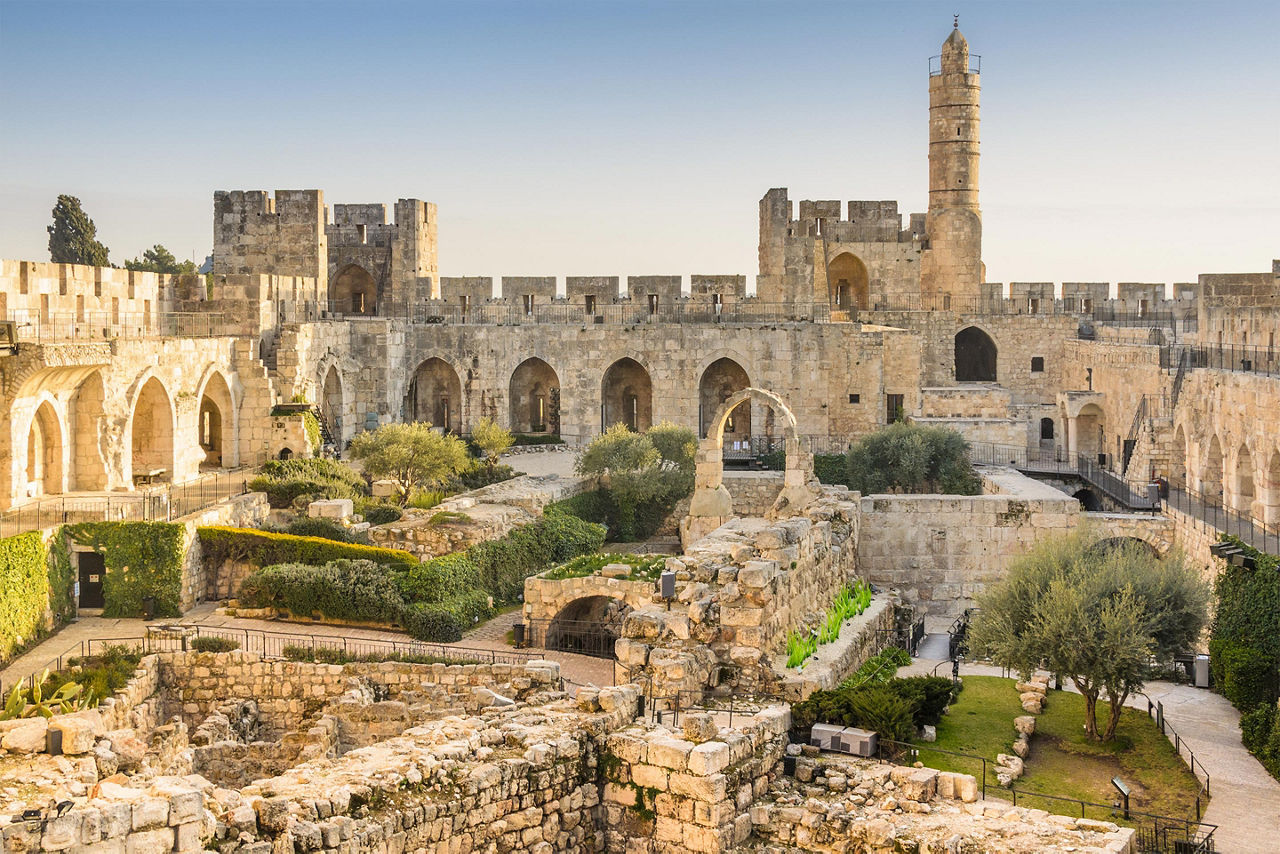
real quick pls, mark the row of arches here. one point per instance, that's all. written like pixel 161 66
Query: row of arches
pixel 66 449
pixel 1240 478
pixel 436 392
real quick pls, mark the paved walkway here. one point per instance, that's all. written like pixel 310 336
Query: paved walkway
pixel 543 462
pixel 1244 798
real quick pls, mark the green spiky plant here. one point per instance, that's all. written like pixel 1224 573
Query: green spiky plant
pixel 68 697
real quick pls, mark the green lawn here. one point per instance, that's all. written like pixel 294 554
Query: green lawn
pixel 1062 761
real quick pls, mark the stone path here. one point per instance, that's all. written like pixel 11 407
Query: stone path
pixel 543 462
pixel 1244 798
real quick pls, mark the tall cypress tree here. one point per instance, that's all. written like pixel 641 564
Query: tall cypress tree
pixel 72 236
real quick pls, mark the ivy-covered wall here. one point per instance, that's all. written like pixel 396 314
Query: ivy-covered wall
pixel 24 591
pixel 142 559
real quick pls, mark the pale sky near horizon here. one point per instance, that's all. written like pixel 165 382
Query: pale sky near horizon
pixel 1121 141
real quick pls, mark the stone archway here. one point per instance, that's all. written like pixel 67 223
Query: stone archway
pixel 721 380
pixel 435 395
pixel 1091 430
pixel 587 626
pixel 1242 483
pixel 332 402
pixel 534 397
pixel 848 284
pixel 626 396
pixel 353 291
pixel 45 453
pixel 1211 471
pixel 1178 460
pixel 215 428
pixel 711 505
pixel 151 434
pixel 975 356
pixel 1271 491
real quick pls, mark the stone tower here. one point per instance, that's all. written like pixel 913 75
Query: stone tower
pixel 952 267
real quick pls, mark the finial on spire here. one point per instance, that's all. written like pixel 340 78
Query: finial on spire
pixel 955 24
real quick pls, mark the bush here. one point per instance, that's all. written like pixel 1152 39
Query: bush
pixel 895 708
pixel 928 695
pixel 103 674
pixel 263 548
pixel 326 529
pixel 432 622
pixel 537 439
pixel 647 474
pixel 24 591
pixel 1255 728
pixel 913 459
pixel 208 643
pixel 350 590
pixel 334 655
pixel 285 481
pixel 1248 674
pixel 440 578
pixel 380 514
pixel 643 567
pixel 504 564
pixel 479 475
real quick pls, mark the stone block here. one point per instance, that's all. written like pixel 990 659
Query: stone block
pixel 709 758
pixel 151 842
pixel 28 738
pixel 331 508
pixel 1025 724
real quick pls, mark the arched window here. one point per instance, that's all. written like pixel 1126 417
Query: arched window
pixel 975 356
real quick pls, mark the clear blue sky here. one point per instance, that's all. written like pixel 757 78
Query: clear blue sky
pixel 1121 141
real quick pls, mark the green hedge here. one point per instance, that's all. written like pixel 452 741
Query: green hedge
pixel 142 559
pixel 358 591
pixel 598 506
pixel 831 469
pixel 440 578
pixel 264 548
pixel 504 564
pixel 284 481
pixel 895 708
pixel 24 591
pixel 1244 674
pixel 325 529
pixel 444 622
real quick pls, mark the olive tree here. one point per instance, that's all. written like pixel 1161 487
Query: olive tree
pixel 1092 610
pixel 411 455
pixel 492 438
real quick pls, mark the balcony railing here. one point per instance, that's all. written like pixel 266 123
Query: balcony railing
pixel 34 327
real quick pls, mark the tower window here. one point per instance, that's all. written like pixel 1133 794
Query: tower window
pixel 1037 364
pixel 362 233
pixel 855 398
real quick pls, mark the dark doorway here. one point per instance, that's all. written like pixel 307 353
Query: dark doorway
pixel 975 356
pixel 1089 500
pixel 92 570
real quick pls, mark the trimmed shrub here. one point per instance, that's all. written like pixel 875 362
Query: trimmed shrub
pixel 1255 728
pixel 537 439
pixel 1248 676
pixel 913 459
pixel 24 591
pixel 928 695
pixel 380 514
pixel 504 564
pixel 326 529
pixel 922 699
pixel 440 578
pixel 479 474
pixel 264 548
pixel 208 643
pixel 143 559
pixel 444 622
pixel 352 590
pixel 285 481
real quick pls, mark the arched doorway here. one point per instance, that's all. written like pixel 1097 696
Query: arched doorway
pixel 626 396
pixel 331 402
pixel 1091 430
pixel 353 291
pixel 721 380
pixel 216 420
pixel 45 453
pixel 848 285
pixel 534 395
pixel 1211 471
pixel 1046 434
pixel 435 395
pixel 1271 492
pixel 151 434
pixel 87 460
pixel 587 626
pixel 1111 544
pixel 975 356
pixel 1242 483
pixel 1178 460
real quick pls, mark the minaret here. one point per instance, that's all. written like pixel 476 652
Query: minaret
pixel 953 264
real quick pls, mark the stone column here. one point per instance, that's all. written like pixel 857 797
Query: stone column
pixel 1073 433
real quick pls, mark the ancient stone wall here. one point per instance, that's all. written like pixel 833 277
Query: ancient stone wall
pixel 200 581
pixel 940 551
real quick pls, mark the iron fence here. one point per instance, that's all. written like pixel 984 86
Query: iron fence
pixel 1210 511
pixel 40 327
pixel 152 504
pixel 582 637
pixel 1154 834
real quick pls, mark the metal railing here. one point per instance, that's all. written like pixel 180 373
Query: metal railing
pixel 1116 487
pixel 1156 833
pixel 178 637
pixel 1155 711
pixel 152 504
pixel 38 327
pixel 581 637
pixel 1210 511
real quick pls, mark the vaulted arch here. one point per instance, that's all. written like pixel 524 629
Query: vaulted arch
pixel 435 395
pixel 975 355
pixel 626 396
pixel 151 427
pixel 848 284
pixel 353 290
pixel 46 453
pixel 720 381
pixel 216 423
pixel 1211 471
pixel 1242 484
pixel 534 396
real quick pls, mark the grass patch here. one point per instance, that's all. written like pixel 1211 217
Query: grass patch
pixel 643 567
pixel 1062 760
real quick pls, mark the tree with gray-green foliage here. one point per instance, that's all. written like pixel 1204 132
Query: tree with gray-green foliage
pixel 1094 611
pixel 157 259
pixel 913 459
pixel 641 469
pixel 72 237
pixel 492 438
pixel 411 455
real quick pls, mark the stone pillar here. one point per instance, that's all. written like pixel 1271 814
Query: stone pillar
pixel 711 505
pixel 1072 438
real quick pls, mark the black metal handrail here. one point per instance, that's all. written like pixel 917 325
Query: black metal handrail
pixel 1210 511
pixel 1193 831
